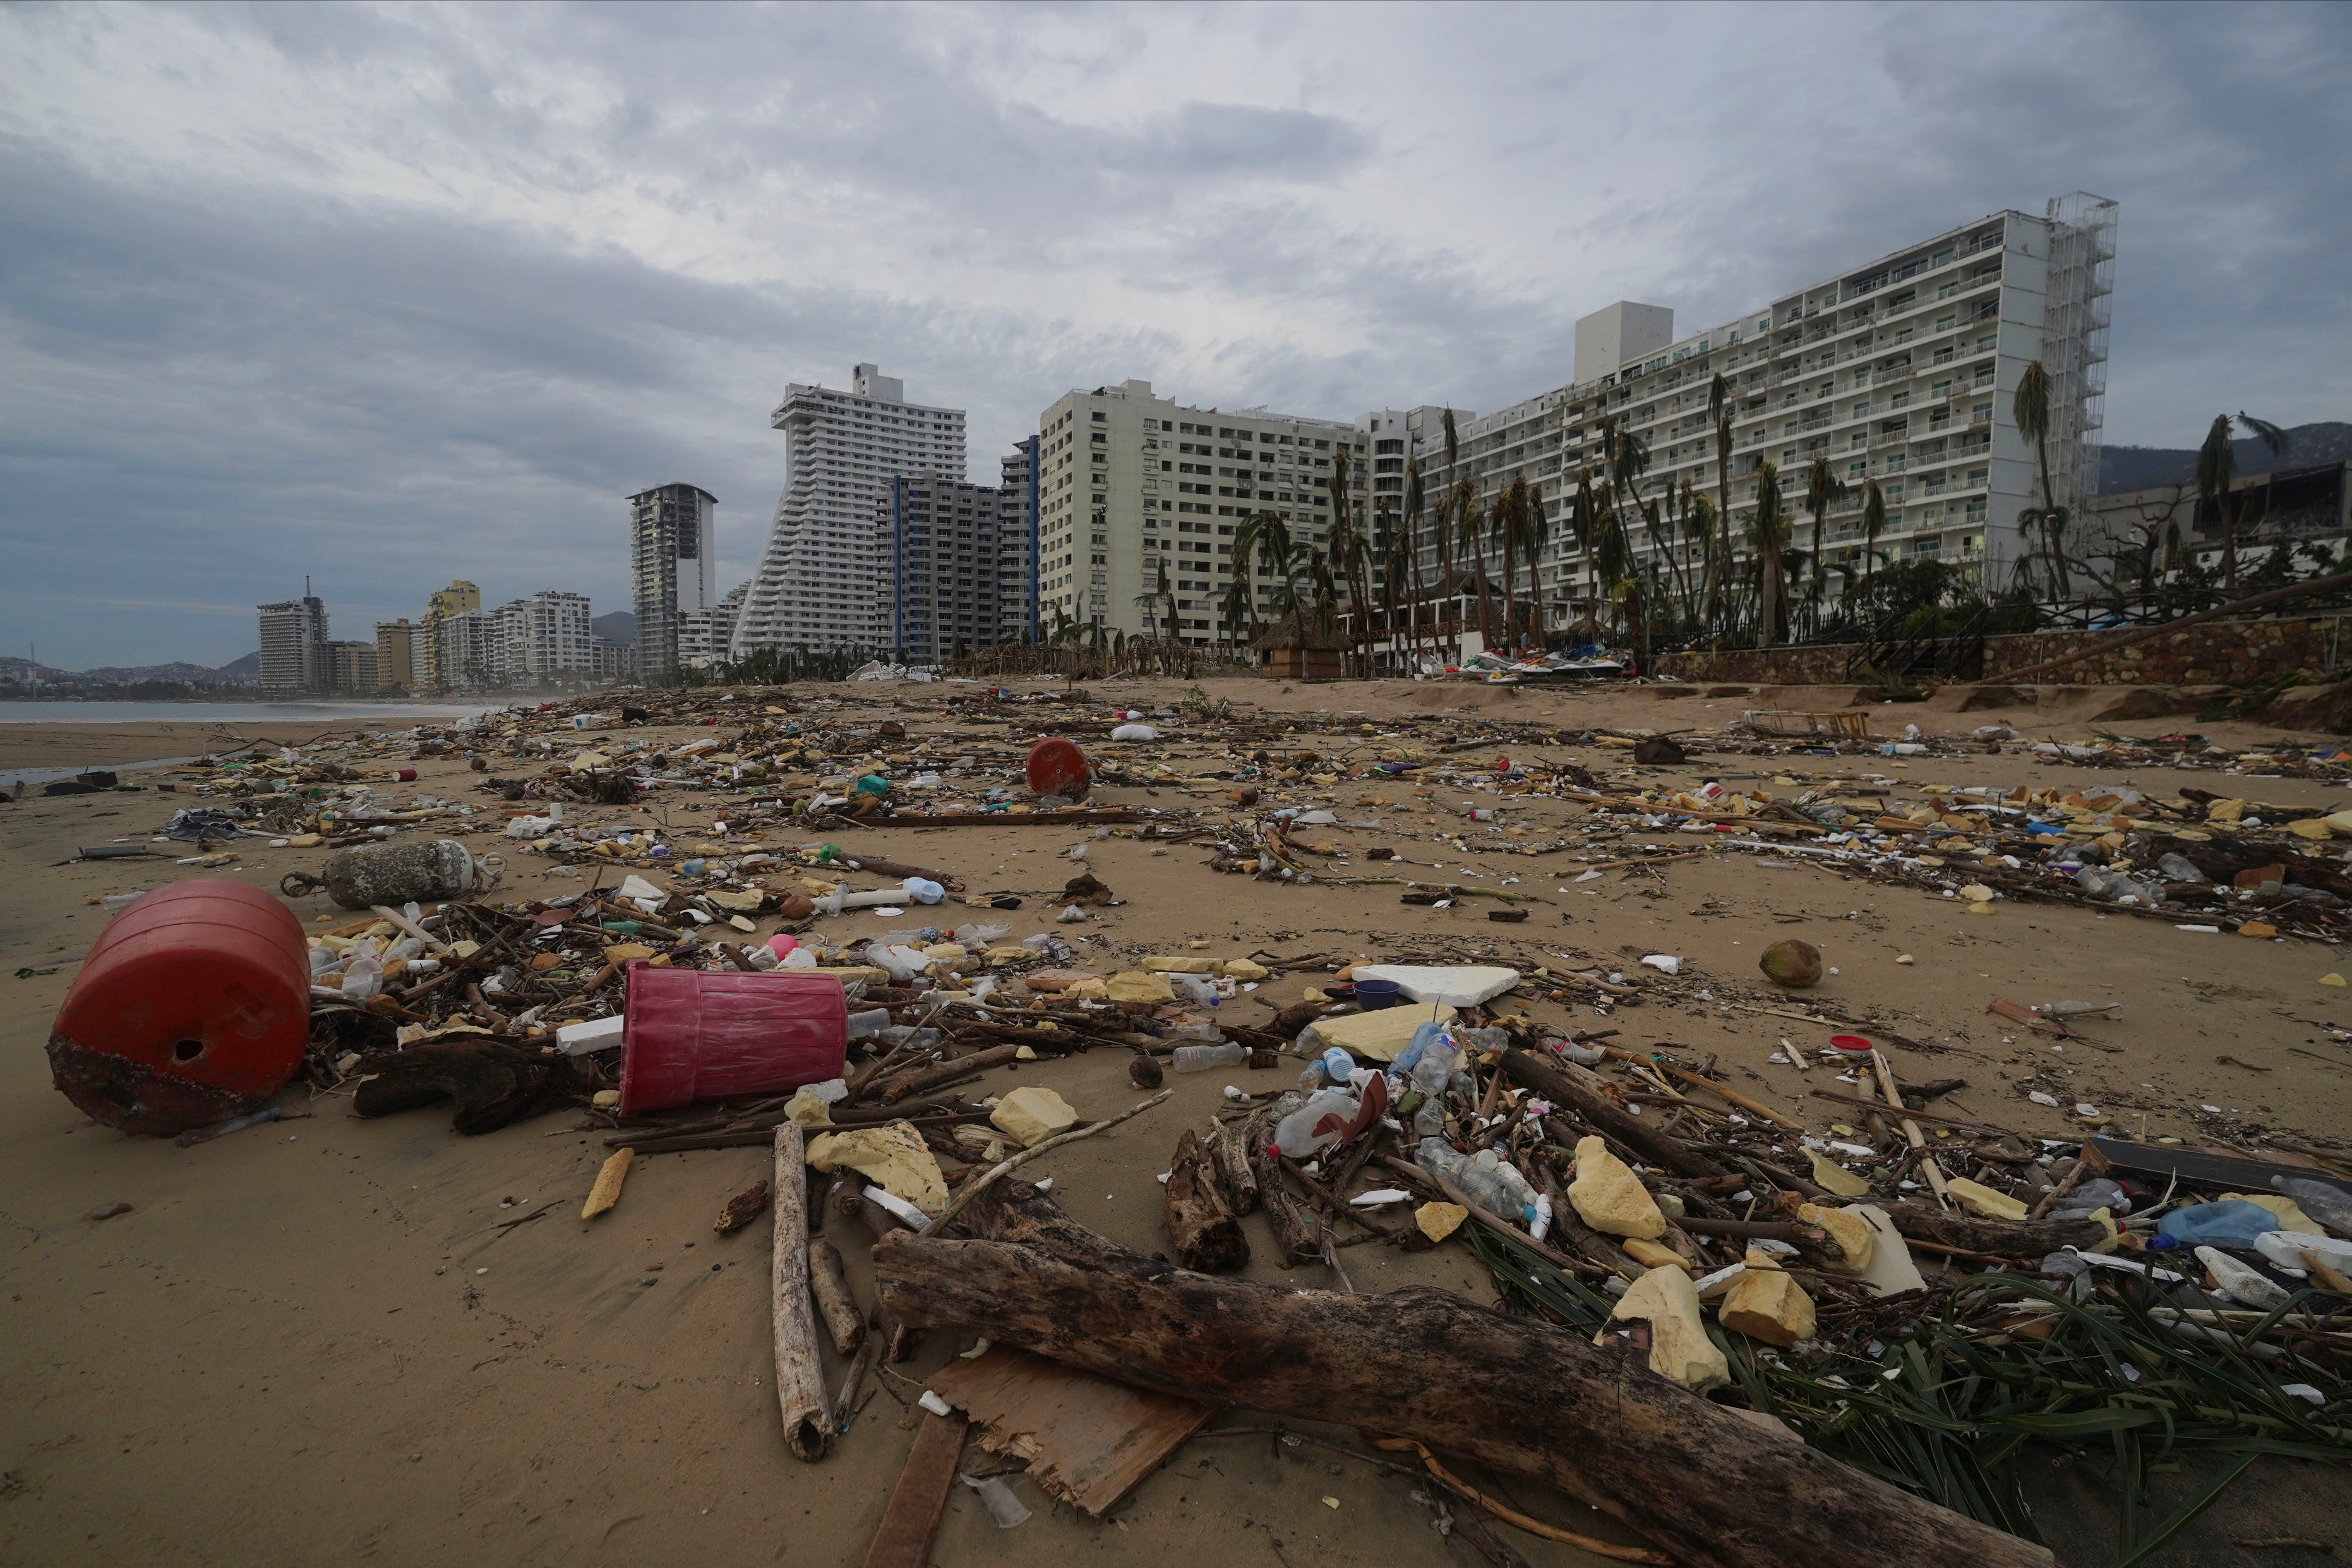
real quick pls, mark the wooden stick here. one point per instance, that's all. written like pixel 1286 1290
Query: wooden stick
pixel 830 1285
pixel 607 1190
pixel 800 1374
pixel 1910 1128
pixel 978 1184
pixel 1921 1115
pixel 1711 1086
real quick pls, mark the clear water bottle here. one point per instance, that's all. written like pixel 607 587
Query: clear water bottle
pixel 1198 1058
pixel 1479 1183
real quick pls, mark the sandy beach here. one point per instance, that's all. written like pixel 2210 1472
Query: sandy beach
pixel 312 1341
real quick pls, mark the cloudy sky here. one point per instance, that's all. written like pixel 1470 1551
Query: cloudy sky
pixel 383 295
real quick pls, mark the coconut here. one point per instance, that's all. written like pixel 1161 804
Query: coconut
pixel 796 906
pixel 1791 963
pixel 1143 1071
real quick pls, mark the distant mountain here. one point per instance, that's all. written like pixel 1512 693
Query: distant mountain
pixel 2141 468
pixel 620 626
pixel 23 672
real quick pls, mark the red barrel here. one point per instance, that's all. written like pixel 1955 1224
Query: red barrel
pixel 192 1006
pixel 703 1034
pixel 1057 766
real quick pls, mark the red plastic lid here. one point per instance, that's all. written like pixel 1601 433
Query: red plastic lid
pixel 1057 766
pixel 1853 1043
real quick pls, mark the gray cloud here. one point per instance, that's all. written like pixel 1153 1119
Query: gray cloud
pixel 389 295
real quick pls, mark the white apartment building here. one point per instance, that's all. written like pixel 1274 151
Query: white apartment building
pixel 1128 481
pixel 544 636
pixel 294 653
pixel 1901 369
pixel 673 559
pixel 822 578
pixel 468 649
pixel 704 635
pixel 1016 564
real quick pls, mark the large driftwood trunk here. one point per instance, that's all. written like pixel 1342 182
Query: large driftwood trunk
pixel 2034 1238
pixel 1521 1396
pixel 1202 1232
pixel 800 1369
pixel 1293 1236
pixel 1585 1092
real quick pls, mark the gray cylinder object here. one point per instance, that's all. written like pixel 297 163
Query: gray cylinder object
pixel 368 874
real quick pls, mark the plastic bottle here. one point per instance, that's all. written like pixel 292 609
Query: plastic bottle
pixel 1193 988
pixel 2176 869
pixel 1331 1109
pixel 1198 1058
pixel 2328 1204
pixel 2233 1222
pixel 865 1025
pixel 363 978
pixel 2092 1196
pixel 1482 1186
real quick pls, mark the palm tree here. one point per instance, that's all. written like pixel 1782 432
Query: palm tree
pixel 1279 552
pixel 1236 609
pixel 1769 530
pixel 2032 408
pixel 2217 468
pixel 1535 539
pixel 1873 523
pixel 1448 509
pixel 1349 552
pixel 1413 515
pixel 1822 489
pixel 1243 554
pixel 1584 529
pixel 1718 414
pixel 1149 599
pixel 1394 550
pixel 1508 521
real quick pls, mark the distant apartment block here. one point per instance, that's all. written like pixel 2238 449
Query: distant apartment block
pixel 1016 559
pixel 1902 369
pixel 295 658
pixel 355 666
pixel 673 550
pixel 1129 482
pixel 542 636
pixel 404 654
pixel 704 635
pixel 822 578
pixel 945 543
pixel 456 599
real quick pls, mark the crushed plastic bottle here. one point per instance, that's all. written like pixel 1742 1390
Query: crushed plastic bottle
pixel 1193 988
pixel 2176 869
pixel 2092 1196
pixel 1200 1058
pixel 1328 1110
pixel 1482 1184
pixel 2328 1204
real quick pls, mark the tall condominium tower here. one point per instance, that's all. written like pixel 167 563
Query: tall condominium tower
pixel 295 657
pixel 1129 482
pixel 824 579
pixel 672 542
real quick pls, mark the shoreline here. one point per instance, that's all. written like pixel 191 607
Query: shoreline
pixel 61 750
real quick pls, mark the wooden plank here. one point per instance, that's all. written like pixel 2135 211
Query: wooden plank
pixel 1088 1439
pixel 2210 1168
pixel 999 819
pixel 912 1521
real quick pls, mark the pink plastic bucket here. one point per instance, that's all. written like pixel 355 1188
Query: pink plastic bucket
pixel 703 1034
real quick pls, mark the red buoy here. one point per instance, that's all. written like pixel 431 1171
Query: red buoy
pixel 192 1006
pixel 1057 766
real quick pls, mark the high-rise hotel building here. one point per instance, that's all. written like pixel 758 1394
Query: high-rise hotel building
pixel 824 579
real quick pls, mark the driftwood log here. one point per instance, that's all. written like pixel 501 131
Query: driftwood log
pixel 494 1082
pixel 898 1089
pixel 1228 1152
pixel 1998 1238
pixel 1521 1396
pixel 1293 1236
pixel 829 1282
pixel 1202 1232
pixel 1586 1094
pixel 800 1371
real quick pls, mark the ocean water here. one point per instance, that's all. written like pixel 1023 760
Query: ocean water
pixel 326 715
pixel 394 714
